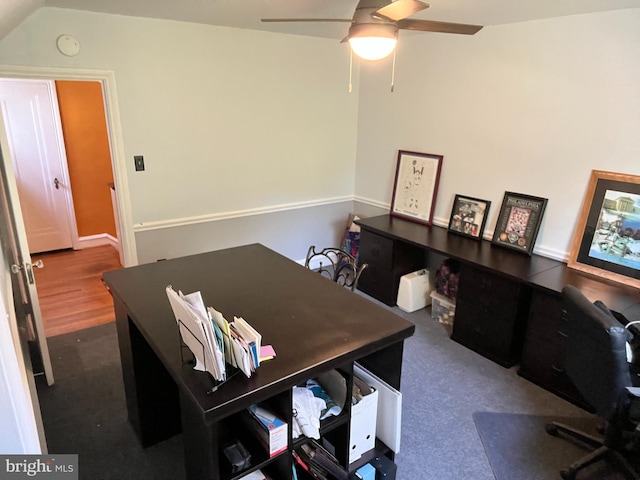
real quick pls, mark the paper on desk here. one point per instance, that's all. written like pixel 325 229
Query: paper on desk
pixel 196 303
pixel 197 332
pixel 242 355
pixel 223 325
pixel 267 352
pixel 251 336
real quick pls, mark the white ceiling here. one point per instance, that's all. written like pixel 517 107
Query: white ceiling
pixel 247 13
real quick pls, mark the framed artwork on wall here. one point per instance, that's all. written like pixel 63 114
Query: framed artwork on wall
pixel 416 186
pixel 607 238
pixel 469 216
pixel 519 221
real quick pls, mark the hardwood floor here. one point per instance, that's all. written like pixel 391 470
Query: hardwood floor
pixel 70 289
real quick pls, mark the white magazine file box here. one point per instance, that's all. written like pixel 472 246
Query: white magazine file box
pixel 389 411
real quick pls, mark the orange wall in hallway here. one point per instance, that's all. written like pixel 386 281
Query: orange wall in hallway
pixel 88 155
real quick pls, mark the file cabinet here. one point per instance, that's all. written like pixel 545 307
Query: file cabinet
pixel 544 347
pixel 545 338
pixel 490 315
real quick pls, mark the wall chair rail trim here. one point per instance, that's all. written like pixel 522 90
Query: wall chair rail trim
pixel 214 217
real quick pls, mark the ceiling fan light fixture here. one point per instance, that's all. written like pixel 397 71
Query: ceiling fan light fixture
pixel 373 41
pixel 372 48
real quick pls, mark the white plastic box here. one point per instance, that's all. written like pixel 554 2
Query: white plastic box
pixel 413 292
pixel 443 309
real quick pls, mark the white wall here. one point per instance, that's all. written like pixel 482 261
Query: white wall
pixel 232 122
pixel 530 107
pixel 228 120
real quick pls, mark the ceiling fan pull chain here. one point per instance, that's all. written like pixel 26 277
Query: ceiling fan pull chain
pixel 393 71
pixel 350 69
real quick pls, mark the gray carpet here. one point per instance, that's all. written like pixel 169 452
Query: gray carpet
pixel 443 384
pixel 519 448
pixel 84 412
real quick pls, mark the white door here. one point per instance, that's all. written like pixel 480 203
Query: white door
pixel 32 122
pixel 14 240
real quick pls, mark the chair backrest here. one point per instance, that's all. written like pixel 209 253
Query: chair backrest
pixel 595 358
pixel 335 264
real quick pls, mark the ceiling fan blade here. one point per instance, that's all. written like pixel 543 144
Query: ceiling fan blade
pixel 267 20
pixel 401 9
pixel 442 27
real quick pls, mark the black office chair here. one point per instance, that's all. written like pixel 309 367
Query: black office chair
pixel 596 362
pixel 337 265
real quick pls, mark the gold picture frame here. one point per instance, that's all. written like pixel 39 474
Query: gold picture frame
pixel 606 242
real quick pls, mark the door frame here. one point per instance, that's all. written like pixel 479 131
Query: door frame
pixel 114 131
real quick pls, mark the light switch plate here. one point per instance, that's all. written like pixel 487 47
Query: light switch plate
pixel 139 163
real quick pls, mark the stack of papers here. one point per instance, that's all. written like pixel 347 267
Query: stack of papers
pixel 213 340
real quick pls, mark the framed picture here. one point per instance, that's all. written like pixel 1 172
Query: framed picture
pixel 469 216
pixel 416 186
pixel 519 221
pixel 607 238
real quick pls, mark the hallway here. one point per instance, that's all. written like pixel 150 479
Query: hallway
pixel 70 289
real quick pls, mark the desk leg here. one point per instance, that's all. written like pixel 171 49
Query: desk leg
pixel 200 445
pixel 152 396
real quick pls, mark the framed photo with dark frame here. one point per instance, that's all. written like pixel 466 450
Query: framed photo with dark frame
pixel 416 186
pixel 607 237
pixel 469 216
pixel 519 221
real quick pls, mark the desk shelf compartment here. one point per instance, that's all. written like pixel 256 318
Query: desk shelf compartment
pixel 335 428
pixel 234 428
pixel 387 261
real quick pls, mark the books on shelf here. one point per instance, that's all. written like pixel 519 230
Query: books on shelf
pixel 214 341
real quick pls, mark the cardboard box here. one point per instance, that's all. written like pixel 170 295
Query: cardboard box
pixel 270 430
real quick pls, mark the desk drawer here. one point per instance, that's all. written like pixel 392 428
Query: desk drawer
pixel 490 336
pixel 380 283
pixel 545 317
pixel 480 284
pixel 542 363
pixel 376 250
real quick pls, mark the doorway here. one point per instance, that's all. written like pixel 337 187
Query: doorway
pixel 120 197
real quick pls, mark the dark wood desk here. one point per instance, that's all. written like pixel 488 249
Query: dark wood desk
pixel 509 305
pixel 491 305
pixel 313 324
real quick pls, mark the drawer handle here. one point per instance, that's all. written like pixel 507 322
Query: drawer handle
pixel 557 369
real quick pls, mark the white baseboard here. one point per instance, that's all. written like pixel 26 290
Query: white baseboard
pixel 98 240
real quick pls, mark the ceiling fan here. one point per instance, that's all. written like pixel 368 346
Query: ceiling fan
pixel 375 24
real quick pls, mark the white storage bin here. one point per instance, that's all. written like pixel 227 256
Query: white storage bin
pixel 413 292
